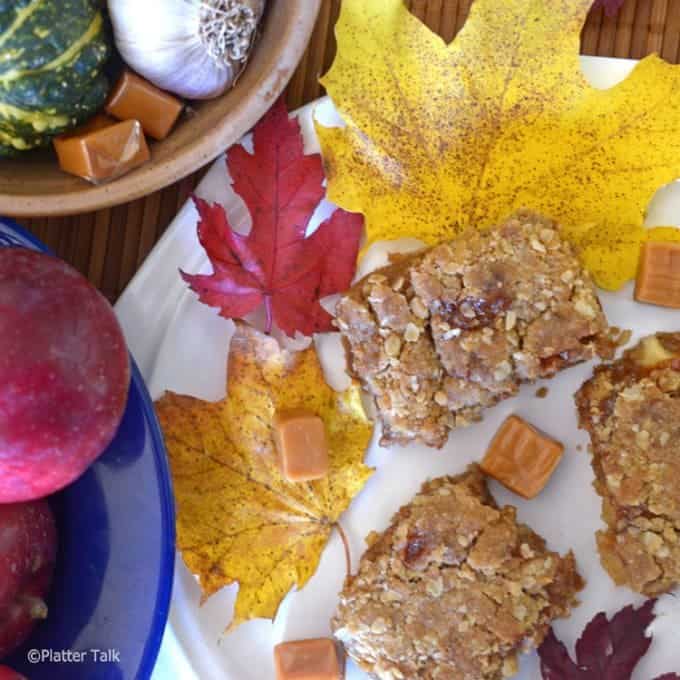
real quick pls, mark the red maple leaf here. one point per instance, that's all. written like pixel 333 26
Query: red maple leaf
pixel 275 265
pixel 611 7
pixel 607 649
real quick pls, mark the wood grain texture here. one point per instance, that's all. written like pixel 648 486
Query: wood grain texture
pixel 108 246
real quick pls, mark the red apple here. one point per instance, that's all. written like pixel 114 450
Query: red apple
pixel 64 374
pixel 7 673
pixel 28 550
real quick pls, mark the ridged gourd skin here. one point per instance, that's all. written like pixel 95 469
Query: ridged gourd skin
pixel 52 57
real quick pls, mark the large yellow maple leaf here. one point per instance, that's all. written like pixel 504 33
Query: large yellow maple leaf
pixel 440 137
pixel 238 519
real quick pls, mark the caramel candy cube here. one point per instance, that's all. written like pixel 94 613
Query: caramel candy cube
pixel 315 659
pixel 658 278
pixel 102 150
pixel 300 439
pixel 136 98
pixel 521 458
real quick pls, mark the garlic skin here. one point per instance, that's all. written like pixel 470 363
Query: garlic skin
pixel 193 48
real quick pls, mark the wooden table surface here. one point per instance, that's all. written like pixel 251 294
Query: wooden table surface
pixel 109 245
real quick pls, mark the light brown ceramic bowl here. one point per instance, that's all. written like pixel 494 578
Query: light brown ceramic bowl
pixel 33 185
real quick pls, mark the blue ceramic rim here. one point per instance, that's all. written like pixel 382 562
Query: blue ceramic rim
pixel 166 578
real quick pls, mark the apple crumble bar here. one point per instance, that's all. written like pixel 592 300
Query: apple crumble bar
pixel 631 409
pixel 454 588
pixel 444 333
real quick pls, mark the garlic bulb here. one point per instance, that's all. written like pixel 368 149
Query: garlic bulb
pixel 194 48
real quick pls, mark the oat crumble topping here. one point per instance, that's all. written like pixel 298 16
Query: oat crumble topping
pixel 442 334
pixel 454 588
pixel 631 409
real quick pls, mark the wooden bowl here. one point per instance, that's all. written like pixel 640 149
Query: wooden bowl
pixel 33 185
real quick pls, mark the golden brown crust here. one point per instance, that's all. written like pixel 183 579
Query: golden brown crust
pixel 454 588
pixel 631 409
pixel 442 334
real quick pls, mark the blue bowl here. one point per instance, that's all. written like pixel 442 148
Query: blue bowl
pixel 111 593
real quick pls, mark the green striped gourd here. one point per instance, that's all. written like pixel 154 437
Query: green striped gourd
pixel 52 54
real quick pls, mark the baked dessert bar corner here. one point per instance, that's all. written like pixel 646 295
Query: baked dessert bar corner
pixel 631 410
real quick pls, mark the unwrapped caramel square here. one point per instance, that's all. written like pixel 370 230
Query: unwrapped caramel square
pixel 136 98
pixel 102 149
pixel 316 659
pixel 521 458
pixel 300 439
pixel 658 278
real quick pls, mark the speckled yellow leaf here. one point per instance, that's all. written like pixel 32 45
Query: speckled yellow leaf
pixel 611 252
pixel 238 520
pixel 440 137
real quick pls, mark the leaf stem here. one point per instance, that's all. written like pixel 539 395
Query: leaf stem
pixel 345 544
pixel 268 312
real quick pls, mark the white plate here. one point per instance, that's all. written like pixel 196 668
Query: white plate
pixel 181 345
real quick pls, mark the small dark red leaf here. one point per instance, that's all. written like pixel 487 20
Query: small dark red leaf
pixel 607 649
pixel 626 639
pixel 611 7
pixel 594 646
pixel 276 265
pixel 556 664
